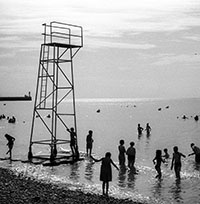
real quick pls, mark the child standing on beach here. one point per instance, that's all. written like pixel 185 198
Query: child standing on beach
pixel 106 171
pixel 176 162
pixel 122 152
pixel 157 162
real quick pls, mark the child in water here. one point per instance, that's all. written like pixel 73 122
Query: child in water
pixel 166 155
pixel 157 162
pixel 176 162
pixel 139 129
pixel 106 171
pixel 10 144
pixel 148 129
pixel 122 152
pixel 89 142
pixel 131 153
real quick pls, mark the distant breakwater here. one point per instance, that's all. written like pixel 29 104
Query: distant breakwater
pixel 16 98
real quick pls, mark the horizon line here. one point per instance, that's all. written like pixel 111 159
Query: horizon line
pixel 129 99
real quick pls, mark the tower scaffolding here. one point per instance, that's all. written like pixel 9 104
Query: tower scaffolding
pixel 54 108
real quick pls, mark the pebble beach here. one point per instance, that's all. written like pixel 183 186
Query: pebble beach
pixel 19 189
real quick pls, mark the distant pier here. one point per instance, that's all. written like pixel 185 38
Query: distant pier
pixel 16 98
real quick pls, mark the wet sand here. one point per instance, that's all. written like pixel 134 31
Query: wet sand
pixel 18 189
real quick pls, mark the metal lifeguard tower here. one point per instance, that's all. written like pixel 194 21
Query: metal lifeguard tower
pixel 54 107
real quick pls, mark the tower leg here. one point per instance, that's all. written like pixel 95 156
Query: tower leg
pixel 30 154
pixel 53 153
pixel 77 153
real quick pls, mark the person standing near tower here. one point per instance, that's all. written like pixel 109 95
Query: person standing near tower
pixel 72 141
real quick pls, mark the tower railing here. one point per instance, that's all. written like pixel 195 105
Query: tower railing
pixel 63 34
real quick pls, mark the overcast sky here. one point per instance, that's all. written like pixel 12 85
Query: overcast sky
pixel 132 48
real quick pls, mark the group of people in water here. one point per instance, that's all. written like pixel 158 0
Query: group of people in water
pixel 140 129
pixel 176 159
pixel 10 119
pixel 196 117
pixel 130 154
pixel 106 162
pixel 106 172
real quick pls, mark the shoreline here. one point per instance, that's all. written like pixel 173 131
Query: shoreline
pixel 20 189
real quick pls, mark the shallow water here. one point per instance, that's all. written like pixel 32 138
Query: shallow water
pixel 118 120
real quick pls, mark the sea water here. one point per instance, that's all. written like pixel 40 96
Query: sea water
pixel 117 120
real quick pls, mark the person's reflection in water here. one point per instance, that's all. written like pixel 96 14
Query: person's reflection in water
pixel 157 189
pixel 122 176
pixel 139 137
pixel 75 174
pixel 176 191
pixel 89 169
pixel 148 140
pixel 131 179
pixel 196 166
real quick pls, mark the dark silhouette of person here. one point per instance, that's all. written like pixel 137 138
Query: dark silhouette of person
pixel 196 117
pixel 139 129
pixel 157 162
pixel 184 117
pixel 10 144
pixel 176 162
pixel 122 152
pixel 12 120
pixel 106 171
pixel 131 153
pixel 73 140
pixel 166 155
pixel 196 152
pixel 148 129
pixel 89 142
